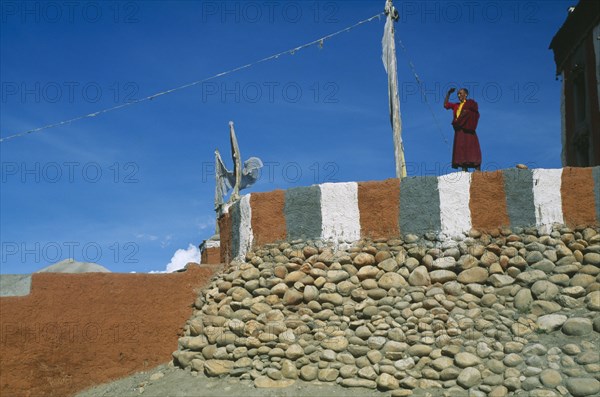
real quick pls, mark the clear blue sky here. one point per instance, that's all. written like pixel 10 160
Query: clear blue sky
pixel 128 188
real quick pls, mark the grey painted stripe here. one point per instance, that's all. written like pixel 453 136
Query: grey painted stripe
pixel 596 173
pixel 302 211
pixel 236 220
pixel 419 205
pixel 518 185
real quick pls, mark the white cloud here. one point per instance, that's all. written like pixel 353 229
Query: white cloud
pixel 163 241
pixel 182 256
pixel 166 241
pixel 144 236
pixel 205 222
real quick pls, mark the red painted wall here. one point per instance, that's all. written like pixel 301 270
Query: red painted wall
pixel 74 331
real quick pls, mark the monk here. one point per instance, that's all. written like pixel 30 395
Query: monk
pixel 466 152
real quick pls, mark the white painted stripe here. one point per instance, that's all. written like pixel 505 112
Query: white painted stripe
pixel 212 244
pixel 563 121
pixel 225 208
pixel 340 216
pixel 595 35
pixel 455 213
pixel 547 198
pixel 246 235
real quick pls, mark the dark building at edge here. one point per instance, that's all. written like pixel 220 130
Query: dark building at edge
pixel 576 48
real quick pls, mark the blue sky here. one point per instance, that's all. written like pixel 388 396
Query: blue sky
pixel 128 188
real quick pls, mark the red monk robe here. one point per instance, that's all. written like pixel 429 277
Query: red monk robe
pixel 466 152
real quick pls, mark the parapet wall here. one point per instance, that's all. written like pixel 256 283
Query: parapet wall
pixel 450 204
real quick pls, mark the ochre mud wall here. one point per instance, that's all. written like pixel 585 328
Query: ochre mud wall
pixel 77 330
pixel 211 256
pixel 450 204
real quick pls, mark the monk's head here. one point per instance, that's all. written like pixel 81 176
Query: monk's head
pixel 462 94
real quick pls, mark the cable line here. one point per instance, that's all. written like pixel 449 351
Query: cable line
pixel 291 51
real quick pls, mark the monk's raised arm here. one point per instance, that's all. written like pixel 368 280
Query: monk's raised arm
pixel 450 91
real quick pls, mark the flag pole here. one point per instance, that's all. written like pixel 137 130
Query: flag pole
pixel 390 64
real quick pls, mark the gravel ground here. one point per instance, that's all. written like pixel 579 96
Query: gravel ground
pixel 175 382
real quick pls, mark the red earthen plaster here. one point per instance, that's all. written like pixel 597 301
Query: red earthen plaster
pixel 379 206
pixel 74 331
pixel 211 256
pixel 488 201
pixel 268 218
pixel 577 191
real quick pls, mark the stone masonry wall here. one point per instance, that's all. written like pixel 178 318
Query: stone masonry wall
pixel 512 313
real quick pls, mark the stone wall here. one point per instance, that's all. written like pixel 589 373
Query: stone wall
pixel 511 313
pixel 451 205
pixel 74 331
